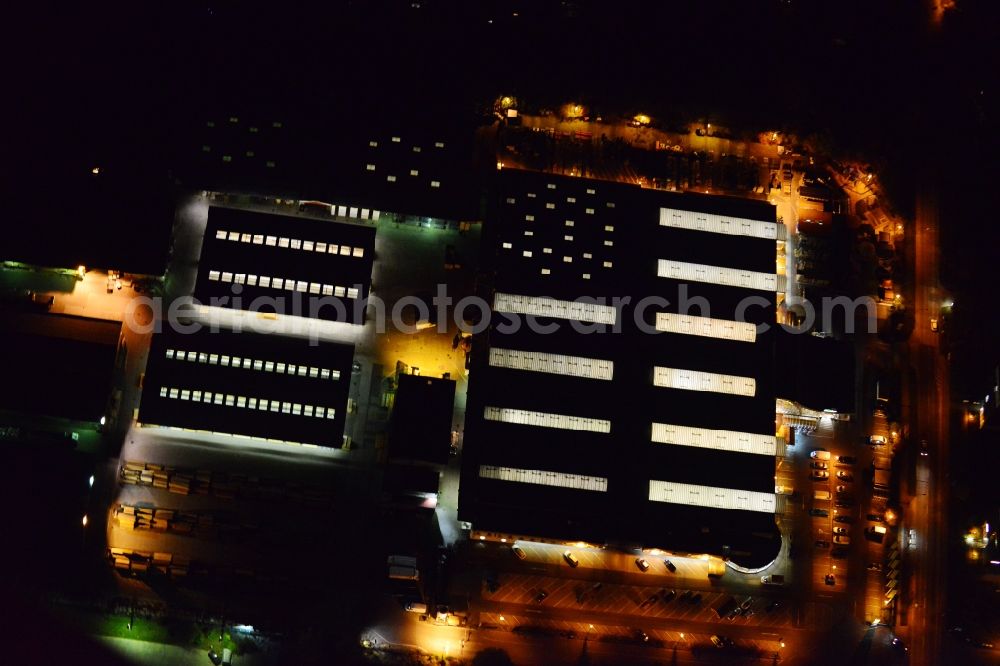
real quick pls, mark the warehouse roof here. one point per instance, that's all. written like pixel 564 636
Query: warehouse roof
pixel 657 428
pixel 249 384
pixel 293 265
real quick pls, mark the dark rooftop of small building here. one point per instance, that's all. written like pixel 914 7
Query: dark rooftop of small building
pixel 422 419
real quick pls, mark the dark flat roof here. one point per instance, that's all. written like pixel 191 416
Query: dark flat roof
pixel 819 372
pixel 57 365
pixel 570 228
pixel 422 419
pixel 332 263
pixel 320 383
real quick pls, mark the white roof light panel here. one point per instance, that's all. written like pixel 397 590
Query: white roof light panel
pixel 557 364
pixel 546 420
pixel 550 307
pixel 711 496
pixel 717 224
pixel 722 329
pixel 544 478
pixel 695 380
pixel 720 440
pixel 730 277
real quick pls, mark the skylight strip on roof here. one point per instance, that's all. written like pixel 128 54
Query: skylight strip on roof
pixel 557 364
pixel 730 277
pixel 718 224
pixel 695 380
pixel 245 402
pixel 546 420
pixel 247 363
pixel 544 478
pixel 710 496
pixel 723 329
pixel 541 306
pixel 720 440
pixel 293 243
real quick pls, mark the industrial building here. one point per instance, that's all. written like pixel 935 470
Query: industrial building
pixel 637 407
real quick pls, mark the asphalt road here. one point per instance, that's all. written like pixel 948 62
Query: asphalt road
pixel 928 510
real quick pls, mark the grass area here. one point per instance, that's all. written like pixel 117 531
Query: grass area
pixel 184 634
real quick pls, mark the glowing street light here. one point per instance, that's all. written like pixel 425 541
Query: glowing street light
pixel 84 521
pixel 95 170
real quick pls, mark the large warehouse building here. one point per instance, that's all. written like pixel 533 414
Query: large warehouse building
pixel 658 431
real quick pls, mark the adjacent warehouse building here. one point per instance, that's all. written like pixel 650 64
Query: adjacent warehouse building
pixel 264 386
pixel 638 408
pixel 290 265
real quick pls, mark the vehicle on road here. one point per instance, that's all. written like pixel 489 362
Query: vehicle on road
pixel 842 540
pixel 518 552
pixel 670 565
pixel 571 559
pixel 830 579
pixel 727 608
pixel 642 563
pixel 819 454
pixel 923 447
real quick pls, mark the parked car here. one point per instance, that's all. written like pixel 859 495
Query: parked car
pixel 877 440
pixel 822 544
pixel 847 460
pixel 876 517
pixel 840 530
pixel 518 552
pixel 819 475
pixel 819 454
pixel 642 563
pixel 541 596
pixel 841 489
pixel 571 559
pixel 845 476
pixel 818 464
pixel 838 554
pixel 668 595
pixel 842 540
pixel 844 519
pixel 923 447
pixel 822 513
pixel 670 565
